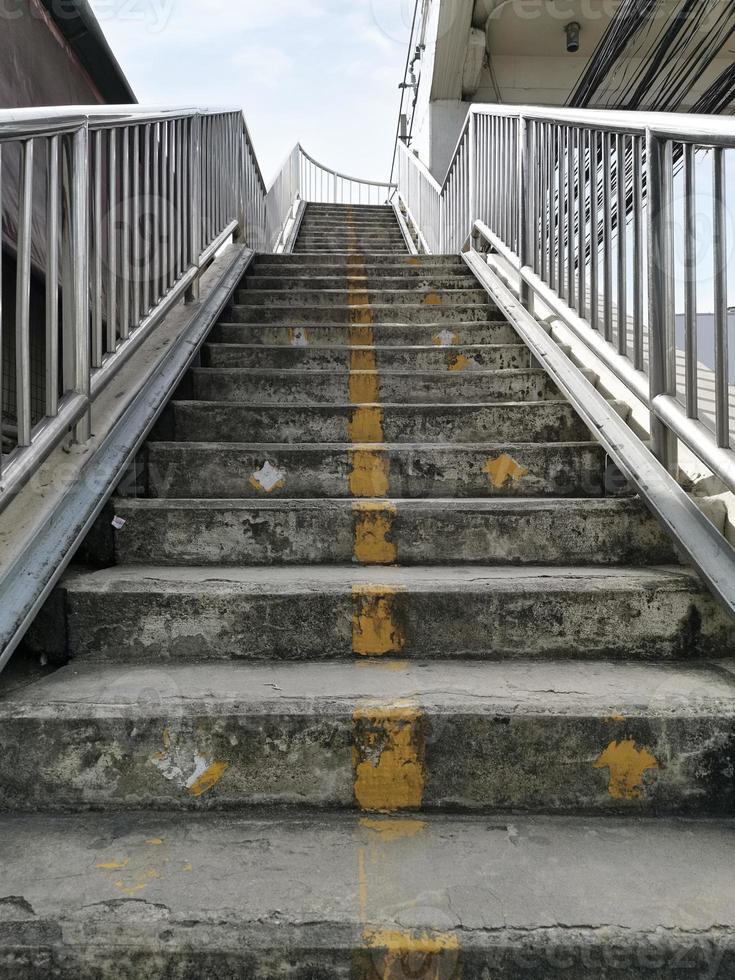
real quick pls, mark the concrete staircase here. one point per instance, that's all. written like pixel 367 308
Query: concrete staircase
pixel 385 674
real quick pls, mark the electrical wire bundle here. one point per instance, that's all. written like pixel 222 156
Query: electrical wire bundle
pixel 654 53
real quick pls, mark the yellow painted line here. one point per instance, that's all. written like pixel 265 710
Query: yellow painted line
pixel 433 299
pixel 114 865
pixel 363 359
pixel 627 766
pixel 209 779
pixel 373 523
pixel 376 626
pixel 504 469
pixel 389 750
pixel 366 425
pixel 369 473
pixel 459 363
pixel 389 830
pixel 364 387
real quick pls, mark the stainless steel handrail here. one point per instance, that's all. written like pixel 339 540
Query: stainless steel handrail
pixel 119 211
pixel 581 204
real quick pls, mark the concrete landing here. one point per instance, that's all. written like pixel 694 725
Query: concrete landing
pixel 146 896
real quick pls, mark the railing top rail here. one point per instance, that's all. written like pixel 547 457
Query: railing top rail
pixel 686 127
pixel 341 176
pixel 421 166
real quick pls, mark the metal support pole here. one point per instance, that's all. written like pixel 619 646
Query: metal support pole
pixel 662 350
pixel 526 203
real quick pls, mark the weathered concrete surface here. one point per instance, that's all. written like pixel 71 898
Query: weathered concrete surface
pixel 233 897
pixel 355 314
pixel 422 334
pixel 455 359
pixel 268 386
pixel 548 421
pixel 318 612
pixel 274 277
pixel 600 737
pixel 374 297
pixel 240 470
pixel 406 532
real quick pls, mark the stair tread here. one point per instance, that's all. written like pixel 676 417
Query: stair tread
pixel 267 882
pixel 341 579
pixel 569 688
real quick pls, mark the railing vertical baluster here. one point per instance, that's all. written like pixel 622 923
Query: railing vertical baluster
pixel 23 296
pixel 52 278
pixel 582 140
pixel 594 232
pixel 112 242
pixel 638 276
pixel 662 367
pixel 2 364
pixel 690 274
pixel 195 199
pixel 561 255
pixel 146 273
pixel 79 270
pixel 526 203
pixel 570 209
pixel 472 168
pixel 135 280
pixel 722 393
pixel 607 236
pixel 544 199
pixel 622 216
pixel 125 238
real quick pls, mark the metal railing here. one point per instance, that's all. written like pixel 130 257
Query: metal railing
pixel 110 215
pixel 582 204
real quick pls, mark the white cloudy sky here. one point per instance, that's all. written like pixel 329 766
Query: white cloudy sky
pixel 324 72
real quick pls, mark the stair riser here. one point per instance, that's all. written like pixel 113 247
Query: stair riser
pixel 300 387
pixel 374 282
pixel 386 334
pixel 338 242
pixel 327 533
pixel 295 263
pixel 530 422
pixel 507 358
pixel 225 471
pixel 478 760
pixel 448 316
pixel 404 297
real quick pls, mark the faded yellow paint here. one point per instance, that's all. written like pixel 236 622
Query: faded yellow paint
pixel 397 954
pixel 209 779
pixel 389 757
pixel 298 333
pixel 140 884
pixel 627 765
pixel 460 363
pixel 391 666
pixel 391 830
pixel 373 524
pixel 363 359
pixel 188 868
pixel 370 473
pixel 364 387
pixel 362 884
pixel 504 469
pixel 376 628
pixel 366 425
pixel 362 336
pixel 413 261
pixel 433 299
pixel 114 865
pixel 154 842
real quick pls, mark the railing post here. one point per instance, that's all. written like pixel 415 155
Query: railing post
pixel 662 338
pixel 525 205
pixel 79 239
pixel 239 235
pixel 472 171
pixel 195 230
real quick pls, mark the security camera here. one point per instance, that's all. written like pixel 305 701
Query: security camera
pixel 572 32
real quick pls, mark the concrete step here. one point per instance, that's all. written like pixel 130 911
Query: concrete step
pixel 269 386
pixel 458 359
pixel 383 334
pixel 359 297
pixel 357 229
pixel 251 471
pixel 348 251
pixel 548 421
pixel 424 281
pixel 407 532
pixel 335 895
pixel 411 262
pixel 445 317
pixel 559 737
pixel 363 238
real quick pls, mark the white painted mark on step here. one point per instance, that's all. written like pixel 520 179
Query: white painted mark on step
pixel 119 523
pixel 268 478
pixel 446 339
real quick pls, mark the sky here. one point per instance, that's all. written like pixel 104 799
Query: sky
pixel 322 72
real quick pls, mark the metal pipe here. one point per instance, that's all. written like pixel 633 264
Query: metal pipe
pixel 23 296
pixel 52 277
pixel 722 391
pixel 690 273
